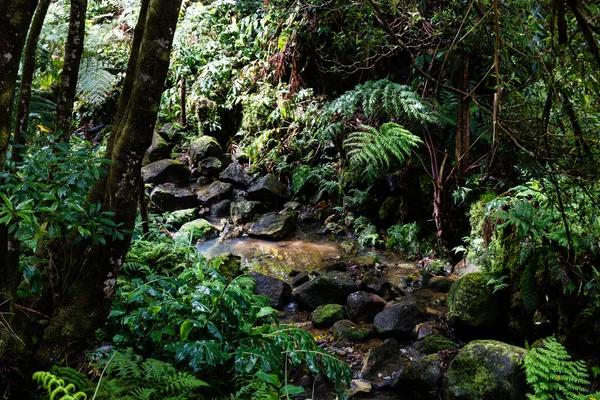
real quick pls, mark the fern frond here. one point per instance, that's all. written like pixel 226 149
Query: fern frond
pixel 379 147
pixel 95 84
pixel 530 300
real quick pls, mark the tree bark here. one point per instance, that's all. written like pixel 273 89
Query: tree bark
pixel 86 304
pixel 22 114
pixel 68 79
pixel 15 17
pixel 463 121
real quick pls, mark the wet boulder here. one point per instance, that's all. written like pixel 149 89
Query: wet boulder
pixel 487 369
pixel 400 318
pixel 180 217
pixel 170 197
pixel 326 315
pixel 420 377
pixel 272 226
pixel 268 189
pixel 472 304
pixel 213 193
pixel 220 209
pixel 243 211
pixel 434 344
pixel 377 357
pixel 440 283
pixel 236 175
pixel 345 331
pixel 203 147
pixel 363 306
pixel 164 171
pixel 278 291
pixel 210 166
pixel 332 287
pixel 158 150
pixel 199 229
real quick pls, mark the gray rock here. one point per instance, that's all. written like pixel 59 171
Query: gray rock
pixel 300 279
pixel 278 291
pixel 220 209
pixel 332 287
pixel 170 197
pixel 235 174
pixel 420 377
pixel 200 229
pixel 158 150
pixel 400 319
pixel 378 356
pixel 204 146
pixel 213 193
pixel 268 189
pixel 373 283
pixel 363 306
pixel 434 344
pixel 487 369
pixel 243 211
pixel 210 166
pixel 164 171
pixel 272 226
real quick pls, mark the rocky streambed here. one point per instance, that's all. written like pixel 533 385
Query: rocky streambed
pixel 408 330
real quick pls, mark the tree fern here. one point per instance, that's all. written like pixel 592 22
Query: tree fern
pixel 57 387
pixel 374 150
pixel 383 98
pixel 552 374
pixel 96 84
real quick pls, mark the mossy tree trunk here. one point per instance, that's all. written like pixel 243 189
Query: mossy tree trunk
pixel 85 305
pixel 79 288
pixel 70 72
pixel 27 73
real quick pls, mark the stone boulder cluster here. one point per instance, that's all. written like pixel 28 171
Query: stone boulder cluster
pixel 205 184
pixel 409 344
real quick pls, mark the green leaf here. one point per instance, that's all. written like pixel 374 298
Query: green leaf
pixel 185 329
pixel 292 390
pixel 269 378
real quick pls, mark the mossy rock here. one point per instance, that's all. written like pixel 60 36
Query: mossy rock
pixel 345 331
pixel 203 147
pixel 472 303
pixel 180 217
pixel 421 377
pixel 199 229
pixel 434 344
pixel 327 314
pixel 487 369
pixel 228 265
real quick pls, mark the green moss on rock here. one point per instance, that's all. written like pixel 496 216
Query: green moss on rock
pixel 435 343
pixel 487 369
pixel 200 229
pixel 471 302
pixel 327 314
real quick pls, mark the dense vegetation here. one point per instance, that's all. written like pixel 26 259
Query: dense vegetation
pixel 476 122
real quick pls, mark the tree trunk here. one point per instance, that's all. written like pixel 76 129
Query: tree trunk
pixel 463 121
pixel 68 79
pixel 86 304
pixel 15 17
pixel 28 70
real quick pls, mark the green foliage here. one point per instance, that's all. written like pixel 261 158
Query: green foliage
pixel 552 374
pixel 403 237
pixel 128 376
pixel 57 387
pixel 178 309
pixel 321 180
pixel 95 84
pixel 372 150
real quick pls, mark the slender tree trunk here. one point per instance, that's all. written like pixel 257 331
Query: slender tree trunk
pixel 28 70
pixel 15 17
pixel 183 101
pixel 463 121
pixel 97 193
pixel 86 304
pixel 68 82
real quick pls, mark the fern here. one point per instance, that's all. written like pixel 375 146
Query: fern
pixel 374 150
pixel 147 379
pixel 383 98
pixel 552 374
pixel 96 84
pixel 42 111
pixel 58 388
